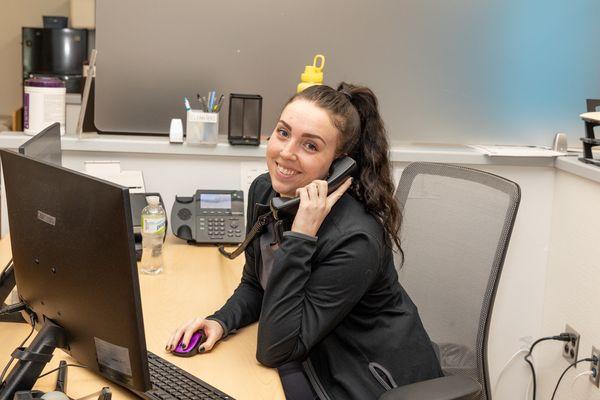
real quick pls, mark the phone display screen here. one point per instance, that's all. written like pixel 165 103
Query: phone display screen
pixel 215 200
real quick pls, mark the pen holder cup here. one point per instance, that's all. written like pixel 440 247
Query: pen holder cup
pixel 202 127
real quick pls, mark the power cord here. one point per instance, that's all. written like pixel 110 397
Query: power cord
pixel 60 392
pixel 12 359
pixel 503 369
pixel 56 369
pixel 13 308
pixel 528 388
pixel 584 373
pixel 564 337
pixel 568 368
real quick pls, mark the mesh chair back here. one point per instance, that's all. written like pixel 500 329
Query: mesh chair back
pixel 455 231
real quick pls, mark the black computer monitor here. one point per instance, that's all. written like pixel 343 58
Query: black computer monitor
pixel 45 145
pixel 74 262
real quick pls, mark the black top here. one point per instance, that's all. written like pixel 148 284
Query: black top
pixel 333 303
pixel 267 248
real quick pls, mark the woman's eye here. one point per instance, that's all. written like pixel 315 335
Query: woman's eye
pixel 283 132
pixel 311 146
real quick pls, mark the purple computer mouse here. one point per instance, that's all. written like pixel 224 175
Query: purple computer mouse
pixel 192 348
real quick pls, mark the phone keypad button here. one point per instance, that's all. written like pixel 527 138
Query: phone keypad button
pixel 220 226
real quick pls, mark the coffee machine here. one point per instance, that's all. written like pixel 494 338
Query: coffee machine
pixel 55 52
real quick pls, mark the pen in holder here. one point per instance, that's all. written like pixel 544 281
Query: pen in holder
pixel 202 127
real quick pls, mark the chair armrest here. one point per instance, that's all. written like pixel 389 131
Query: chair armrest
pixel 445 388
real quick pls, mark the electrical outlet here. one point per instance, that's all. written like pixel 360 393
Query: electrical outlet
pixel 595 377
pixel 571 348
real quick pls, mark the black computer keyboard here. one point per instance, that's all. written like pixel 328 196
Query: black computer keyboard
pixel 171 382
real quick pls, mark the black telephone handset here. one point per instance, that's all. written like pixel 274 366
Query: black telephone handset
pixel 340 170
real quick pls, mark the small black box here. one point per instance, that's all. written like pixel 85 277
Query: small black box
pixel 245 113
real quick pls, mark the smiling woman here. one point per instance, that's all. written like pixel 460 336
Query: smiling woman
pixel 332 316
pixel 301 148
pixel 352 112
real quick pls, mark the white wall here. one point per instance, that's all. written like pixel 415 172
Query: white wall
pixel 519 302
pixel 174 174
pixel 572 292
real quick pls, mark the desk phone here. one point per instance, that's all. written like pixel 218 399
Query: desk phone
pixel 210 216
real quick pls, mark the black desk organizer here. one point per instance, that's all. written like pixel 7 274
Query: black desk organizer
pixel 245 113
pixel 590 140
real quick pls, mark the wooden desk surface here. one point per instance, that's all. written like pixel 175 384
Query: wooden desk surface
pixel 196 282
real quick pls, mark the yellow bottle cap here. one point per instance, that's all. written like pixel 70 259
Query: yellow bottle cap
pixel 314 73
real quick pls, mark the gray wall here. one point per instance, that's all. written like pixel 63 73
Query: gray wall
pixel 445 71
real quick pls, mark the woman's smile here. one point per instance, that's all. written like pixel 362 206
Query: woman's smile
pixel 286 171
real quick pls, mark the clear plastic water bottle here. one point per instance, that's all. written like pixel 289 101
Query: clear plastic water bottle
pixel 153 232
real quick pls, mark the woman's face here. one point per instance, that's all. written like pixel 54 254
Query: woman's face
pixel 301 148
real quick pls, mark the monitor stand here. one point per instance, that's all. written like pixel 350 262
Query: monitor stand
pixel 33 359
pixel 7 284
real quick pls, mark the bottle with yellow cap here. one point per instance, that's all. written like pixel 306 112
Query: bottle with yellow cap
pixel 313 74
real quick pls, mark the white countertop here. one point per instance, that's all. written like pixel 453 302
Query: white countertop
pixel 572 165
pixel 400 152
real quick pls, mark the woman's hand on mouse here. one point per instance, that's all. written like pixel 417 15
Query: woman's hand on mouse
pixel 315 204
pixel 213 332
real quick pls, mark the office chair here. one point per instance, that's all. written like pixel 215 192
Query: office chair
pixel 455 231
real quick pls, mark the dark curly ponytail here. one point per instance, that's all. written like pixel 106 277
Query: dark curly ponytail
pixel 355 113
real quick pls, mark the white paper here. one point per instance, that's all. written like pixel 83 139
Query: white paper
pixel 516 151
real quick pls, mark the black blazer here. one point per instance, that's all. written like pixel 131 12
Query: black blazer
pixel 333 303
